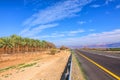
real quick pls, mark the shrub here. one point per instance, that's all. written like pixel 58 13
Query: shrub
pixel 63 48
pixel 114 49
pixel 52 52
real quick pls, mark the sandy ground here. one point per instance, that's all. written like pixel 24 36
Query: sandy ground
pixel 37 66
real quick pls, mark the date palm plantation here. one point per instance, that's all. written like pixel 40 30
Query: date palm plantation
pixel 17 44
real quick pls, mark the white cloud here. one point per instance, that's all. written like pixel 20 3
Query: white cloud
pixel 57 12
pixel 77 31
pixel 53 36
pixel 91 30
pixel 81 22
pixel 92 39
pixel 74 32
pixel 28 32
pixel 108 1
pixel 63 34
pixel 118 6
pixel 95 6
pixel 84 22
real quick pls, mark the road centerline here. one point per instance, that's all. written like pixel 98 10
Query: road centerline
pixel 101 67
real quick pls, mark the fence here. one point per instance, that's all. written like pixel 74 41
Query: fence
pixel 68 70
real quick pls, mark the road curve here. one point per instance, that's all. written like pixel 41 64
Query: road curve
pixel 92 71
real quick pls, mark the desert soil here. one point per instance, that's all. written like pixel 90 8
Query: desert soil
pixel 33 66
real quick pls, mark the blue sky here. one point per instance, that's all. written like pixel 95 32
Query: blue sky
pixel 63 22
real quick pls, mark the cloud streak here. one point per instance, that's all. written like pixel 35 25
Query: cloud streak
pixel 118 6
pixel 95 6
pixel 92 39
pixel 81 22
pixel 76 31
pixel 57 12
pixel 63 34
pixel 47 17
pixel 108 1
pixel 28 32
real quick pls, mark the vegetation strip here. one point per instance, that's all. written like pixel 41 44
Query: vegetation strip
pixel 79 64
pixel 19 66
pixel 27 65
pixel 114 49
pixel 7 68
pixel 18 44
pixel 101 67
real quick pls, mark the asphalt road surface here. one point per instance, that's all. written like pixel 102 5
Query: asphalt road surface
pixel 94 72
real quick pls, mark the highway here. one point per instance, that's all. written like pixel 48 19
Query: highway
pixel 98 67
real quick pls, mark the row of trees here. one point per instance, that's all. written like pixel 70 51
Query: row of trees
pixel 17 44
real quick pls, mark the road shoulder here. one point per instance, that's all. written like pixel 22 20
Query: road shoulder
pixel 77 73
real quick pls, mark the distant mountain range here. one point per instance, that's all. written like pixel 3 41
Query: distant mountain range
pixel 111 45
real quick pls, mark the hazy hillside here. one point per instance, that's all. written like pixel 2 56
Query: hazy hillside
pixel 113 45
pixel 116 45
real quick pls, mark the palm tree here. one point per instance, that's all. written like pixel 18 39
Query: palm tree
pixel 17 41
pixel 7 43
pixel 25 43
pixel 1 43
pixel 38 45
pixel 1 48
pixel 44 44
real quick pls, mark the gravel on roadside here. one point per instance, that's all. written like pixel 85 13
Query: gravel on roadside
pixel 77 73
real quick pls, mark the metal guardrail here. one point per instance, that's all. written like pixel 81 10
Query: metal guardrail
pixel 68 70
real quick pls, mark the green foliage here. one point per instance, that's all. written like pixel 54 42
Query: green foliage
pixel 63 48
pixel 21 64
pixel 114 49
pixel 7 68
pixel 27 65
pixel 53 51
pixel 1 43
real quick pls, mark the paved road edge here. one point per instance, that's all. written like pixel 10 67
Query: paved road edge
pixel 79 65
pixel 101 67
